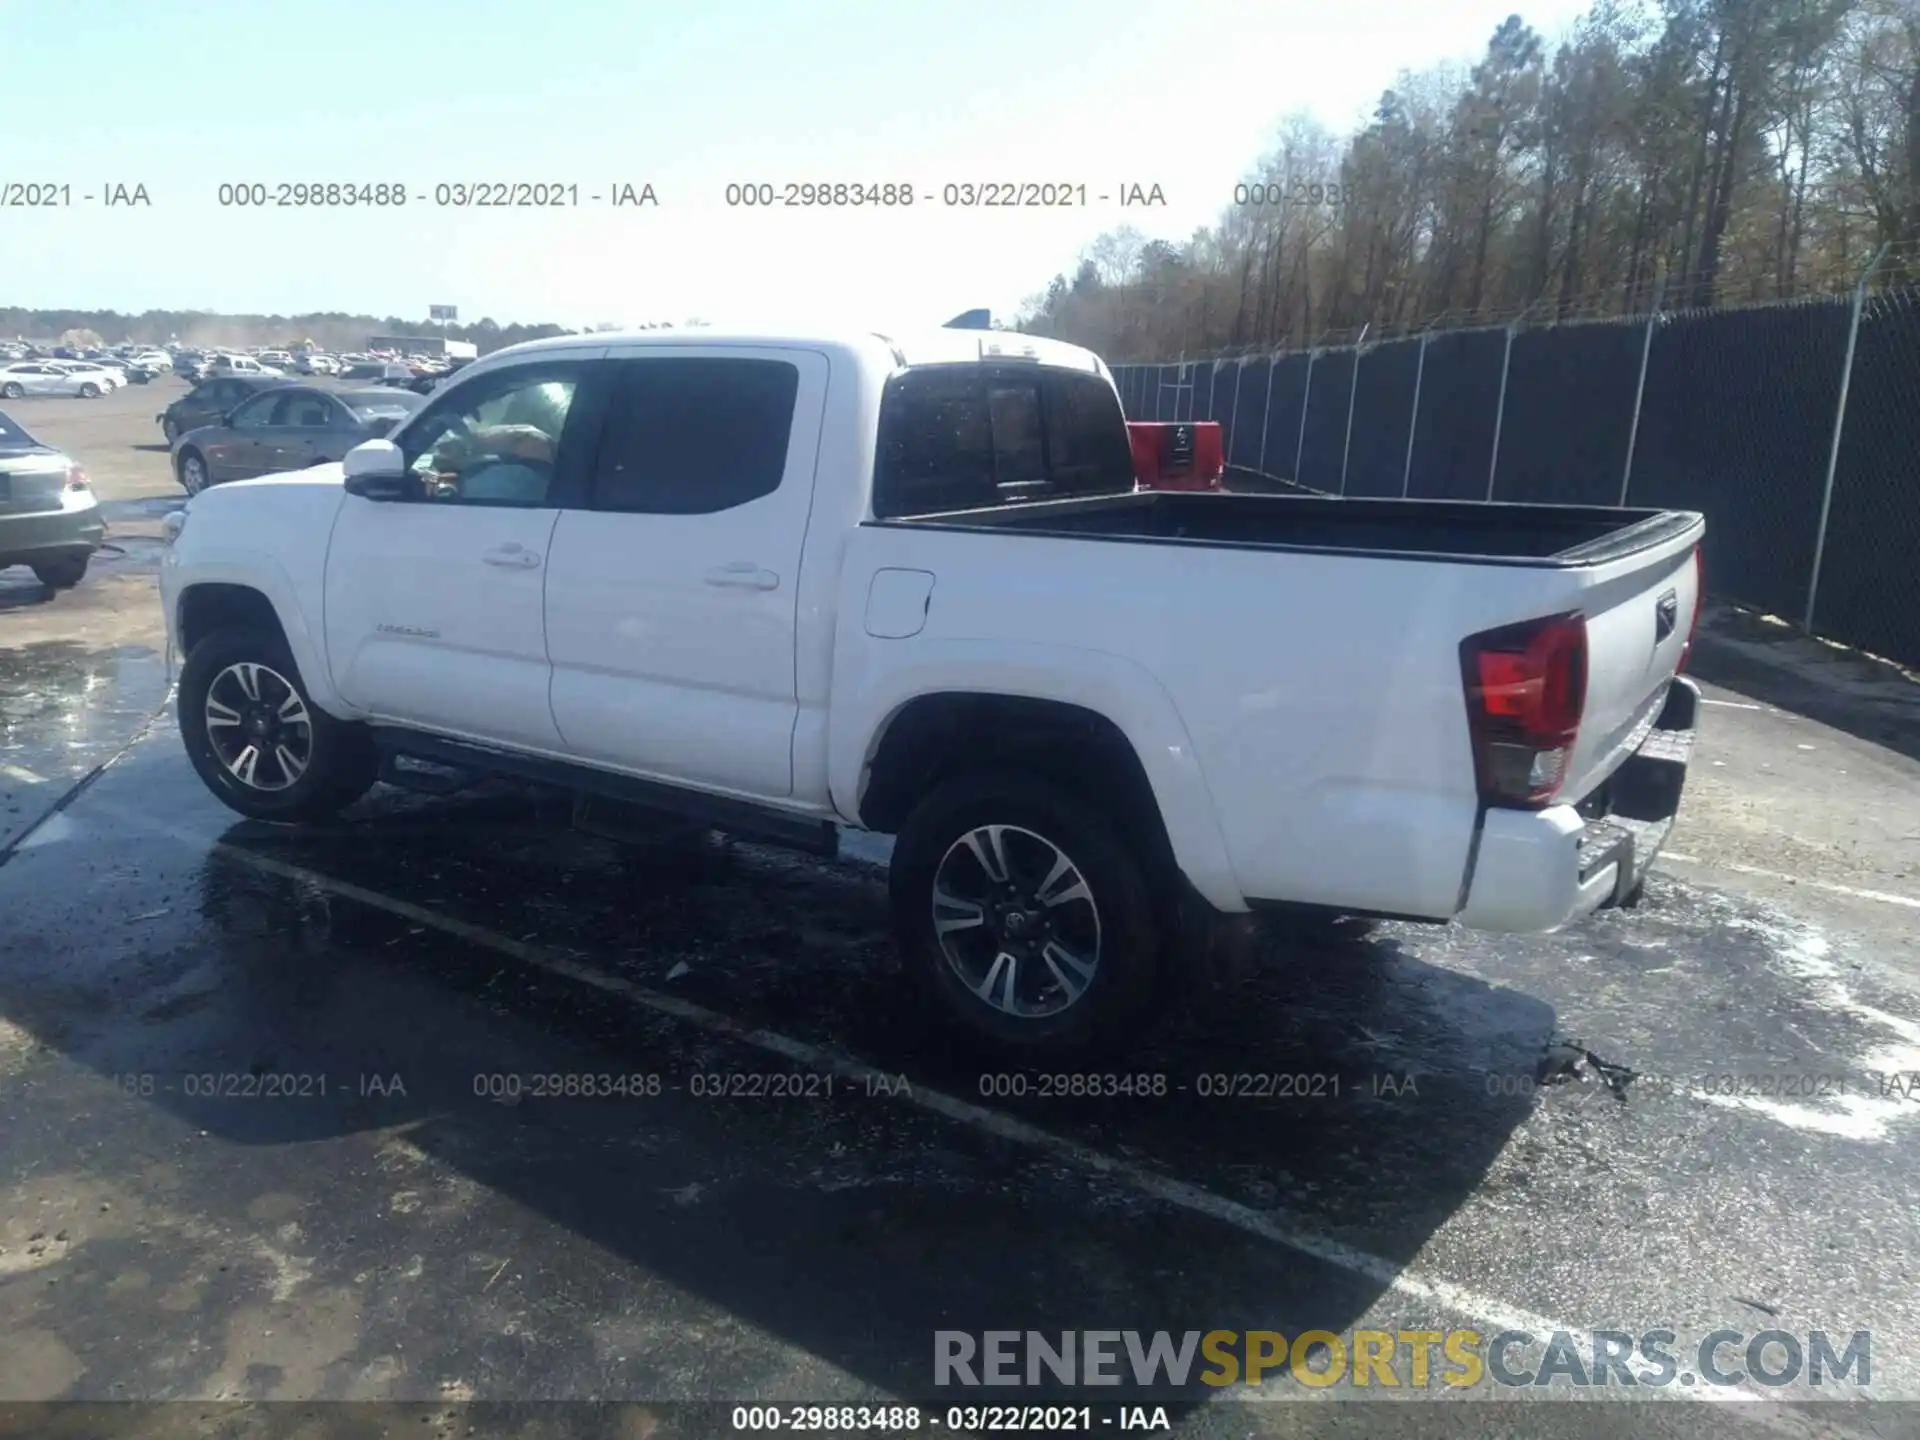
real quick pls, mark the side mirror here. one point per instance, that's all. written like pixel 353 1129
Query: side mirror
pixel 375 470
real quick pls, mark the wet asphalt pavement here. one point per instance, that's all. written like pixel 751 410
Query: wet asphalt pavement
pixel 271 1129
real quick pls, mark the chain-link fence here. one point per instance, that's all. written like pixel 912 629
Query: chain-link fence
pixel 1812 495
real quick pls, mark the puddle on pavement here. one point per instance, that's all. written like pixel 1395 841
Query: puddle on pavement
pixel 65 708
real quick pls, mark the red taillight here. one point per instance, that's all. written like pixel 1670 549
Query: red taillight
pixel 1699 604
pixel 76 478
pixel 1526 687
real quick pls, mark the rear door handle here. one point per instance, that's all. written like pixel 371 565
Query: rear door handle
pixel 512 557
pixel 743 575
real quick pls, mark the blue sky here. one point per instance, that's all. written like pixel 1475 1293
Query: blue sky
pixel 183 95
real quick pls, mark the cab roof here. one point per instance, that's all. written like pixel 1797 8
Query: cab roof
pixel 923 346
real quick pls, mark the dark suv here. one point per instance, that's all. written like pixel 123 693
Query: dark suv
pixel 209 400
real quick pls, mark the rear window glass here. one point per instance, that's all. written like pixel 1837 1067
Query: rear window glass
pixel 368 408
pixel 958 437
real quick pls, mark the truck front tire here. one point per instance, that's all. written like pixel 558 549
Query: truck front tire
pixel 257 739
pixel 1021 911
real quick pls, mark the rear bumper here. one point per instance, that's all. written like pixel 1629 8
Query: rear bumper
pixel 1539 869
pixel 30 539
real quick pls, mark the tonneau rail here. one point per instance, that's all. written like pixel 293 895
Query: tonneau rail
pixel 1644 535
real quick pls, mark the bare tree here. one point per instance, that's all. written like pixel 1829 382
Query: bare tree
pixel 1741 149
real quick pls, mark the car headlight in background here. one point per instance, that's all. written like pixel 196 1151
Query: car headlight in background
pixel 175 522
pixel 76 478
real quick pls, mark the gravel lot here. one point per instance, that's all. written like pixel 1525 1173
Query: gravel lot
pixel 417 1227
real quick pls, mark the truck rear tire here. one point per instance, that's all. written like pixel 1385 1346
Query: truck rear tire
pixel 257 739
pixel 1021 912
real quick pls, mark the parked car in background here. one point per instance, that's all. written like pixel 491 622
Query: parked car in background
pixel 37 377
pixel 278 359
pixel 313 363
pixel 209 400
pixel 154 360
pixel 429 381
pixel 101 378
pixel 55 377
pixel 237 365
pixel 1177 454
pixel 127 370
pixel 49 518
pixel 289 428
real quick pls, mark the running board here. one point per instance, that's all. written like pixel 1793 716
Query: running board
pixel 405 773
pixel 615 800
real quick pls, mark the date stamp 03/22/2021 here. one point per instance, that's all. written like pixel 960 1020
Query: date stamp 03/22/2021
pixel 565 193
pixel 512 1087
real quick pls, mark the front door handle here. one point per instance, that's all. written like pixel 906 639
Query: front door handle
pixel 743 575
pixel 512 557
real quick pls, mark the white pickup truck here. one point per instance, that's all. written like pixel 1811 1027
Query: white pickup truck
pixel 906 584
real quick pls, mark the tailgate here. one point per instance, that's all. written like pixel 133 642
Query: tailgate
pixel 1640 614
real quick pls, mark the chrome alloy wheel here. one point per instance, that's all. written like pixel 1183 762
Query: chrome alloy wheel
pixel 1016 921
pixel 258 726
pixel 193 474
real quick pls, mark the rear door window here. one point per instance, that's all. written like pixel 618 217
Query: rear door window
pixel 695 436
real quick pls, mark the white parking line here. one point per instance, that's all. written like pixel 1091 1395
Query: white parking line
pixel 1731 704
pixel 1885 897
pixel 1485 1310
pixel 22 774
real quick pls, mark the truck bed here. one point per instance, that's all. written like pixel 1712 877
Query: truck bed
pixel 1465 531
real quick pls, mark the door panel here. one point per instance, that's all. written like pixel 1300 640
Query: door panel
pixel 295 447
pixel 434 617
pixel 672 634
pixel 435 607
pixel 235 454
pixel 301 421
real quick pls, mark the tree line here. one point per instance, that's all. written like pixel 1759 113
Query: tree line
pixel 1693 153
pixel 330 330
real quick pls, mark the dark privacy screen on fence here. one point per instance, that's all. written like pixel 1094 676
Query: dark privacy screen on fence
pixel 1563 437
pixel 1249 415
pixel 1329 388
pixel 1736 419
pixel 1870 577
pixel 1459 397
pixel 1382 411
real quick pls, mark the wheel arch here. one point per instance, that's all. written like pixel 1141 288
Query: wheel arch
pixel 1096 720
pixel 221 596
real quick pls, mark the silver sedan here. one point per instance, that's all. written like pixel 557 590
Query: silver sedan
pixel 53 377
